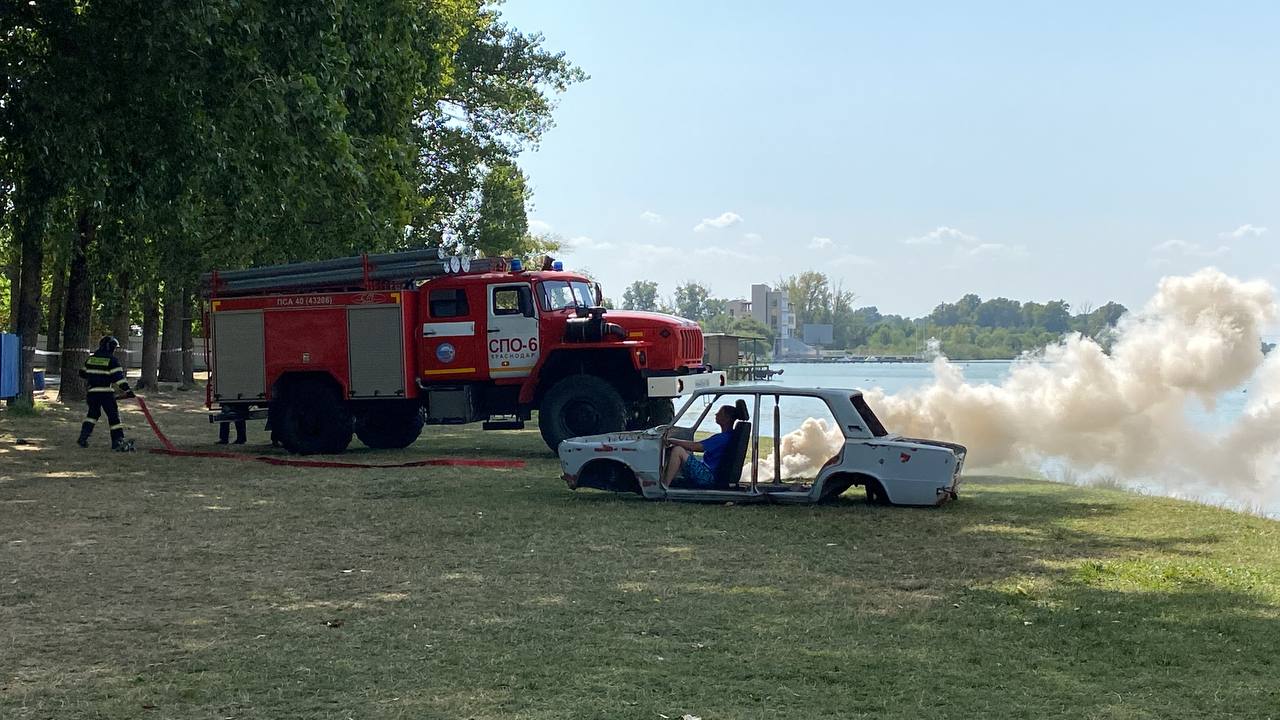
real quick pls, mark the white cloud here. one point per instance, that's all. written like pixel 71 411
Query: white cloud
pixel 859 260
pixel 820 243
pixel 752 237
pixel 582 242
pixel 1243 231
pixel 651 217
pixel 1190 249
pixel 940 235
pixel 726 219
pixel 965 244
pixel 539 227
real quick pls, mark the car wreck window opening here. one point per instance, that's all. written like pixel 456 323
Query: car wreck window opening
pixel 701 416
pixel 693 429
pixel 868 417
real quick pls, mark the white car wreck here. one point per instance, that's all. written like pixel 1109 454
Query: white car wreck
pixel 800 445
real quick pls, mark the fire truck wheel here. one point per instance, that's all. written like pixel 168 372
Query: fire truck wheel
pixel 580 405
pixel 390 426
pixel 651 413
pixel 314 420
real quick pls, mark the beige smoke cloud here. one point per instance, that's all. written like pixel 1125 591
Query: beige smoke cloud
pixel 804 451
pixel 1124 414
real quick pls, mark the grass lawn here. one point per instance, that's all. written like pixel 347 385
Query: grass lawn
pixel 138 585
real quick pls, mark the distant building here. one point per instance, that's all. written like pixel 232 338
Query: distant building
pixel 772 308
pixel 738 308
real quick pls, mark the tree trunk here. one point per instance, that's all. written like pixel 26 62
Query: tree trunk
pixel 57 302
pixel 188 342
pixel 150 336
pixel 13 271
pixel 120 323
pixel 79 313
pixel 31 278
pixel 171 333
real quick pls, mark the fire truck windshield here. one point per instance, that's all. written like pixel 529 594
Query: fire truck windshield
pixel 558 295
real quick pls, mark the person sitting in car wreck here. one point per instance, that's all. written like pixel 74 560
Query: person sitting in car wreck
pixel 701 472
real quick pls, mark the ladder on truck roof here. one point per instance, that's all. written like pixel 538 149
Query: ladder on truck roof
pixel 361 272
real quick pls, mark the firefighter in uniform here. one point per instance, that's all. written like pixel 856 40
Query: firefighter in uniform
pixel 103 374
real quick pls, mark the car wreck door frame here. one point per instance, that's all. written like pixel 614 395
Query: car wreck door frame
pixel 698 494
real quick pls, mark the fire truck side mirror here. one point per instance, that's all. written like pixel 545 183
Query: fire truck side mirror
pixel 599 291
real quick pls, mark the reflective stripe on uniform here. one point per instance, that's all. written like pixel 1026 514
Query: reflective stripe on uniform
pixel 95 360
pixel 90 371
pixel 102 389
pixel 118 426
pixel 91 421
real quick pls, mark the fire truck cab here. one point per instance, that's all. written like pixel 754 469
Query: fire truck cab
pixel 386 344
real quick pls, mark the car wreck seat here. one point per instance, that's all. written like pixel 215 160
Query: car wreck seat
pixel 730 469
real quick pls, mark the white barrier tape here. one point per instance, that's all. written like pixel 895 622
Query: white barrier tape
pixel 38 351
pixel 172 350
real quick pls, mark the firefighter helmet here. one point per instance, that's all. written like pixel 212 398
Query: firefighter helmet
pixel 108 344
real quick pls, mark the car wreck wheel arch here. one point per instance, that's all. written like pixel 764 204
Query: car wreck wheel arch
pixel 607 474
pixel 836 483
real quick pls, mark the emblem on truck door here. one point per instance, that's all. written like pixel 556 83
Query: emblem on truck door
pixel 446 353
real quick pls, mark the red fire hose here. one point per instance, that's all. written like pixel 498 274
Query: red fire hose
pixel 171 449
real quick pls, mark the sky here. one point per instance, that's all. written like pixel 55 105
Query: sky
pixel 914 152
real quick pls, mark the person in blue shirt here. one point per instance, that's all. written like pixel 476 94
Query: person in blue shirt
pixel 701 472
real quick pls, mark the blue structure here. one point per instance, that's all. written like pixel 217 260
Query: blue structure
pixel 8 365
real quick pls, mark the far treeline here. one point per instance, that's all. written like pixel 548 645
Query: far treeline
pixel 143 143
pixel 969 329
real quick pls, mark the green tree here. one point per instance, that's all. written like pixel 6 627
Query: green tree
pixel 1057 317
pixel 810 296
pixel 502 222
pixel 498 100
pixel 226 133
pixel 999 312
pixel 691 301
pixel 640 295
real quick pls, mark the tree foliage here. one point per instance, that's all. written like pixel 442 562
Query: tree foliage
pixel 234 132
pixel 641 295
pixel 969 328
pixel 692 301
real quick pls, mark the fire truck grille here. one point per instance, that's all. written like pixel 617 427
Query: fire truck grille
pixel 691 346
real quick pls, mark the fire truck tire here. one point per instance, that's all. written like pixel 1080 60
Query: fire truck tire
pixel 651 413
pixel 580 405
pixel 314 420
pixel 390 426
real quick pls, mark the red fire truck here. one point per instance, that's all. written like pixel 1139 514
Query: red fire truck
pixel 379 345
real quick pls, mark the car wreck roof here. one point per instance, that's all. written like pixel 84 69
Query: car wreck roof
pixel 779 390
